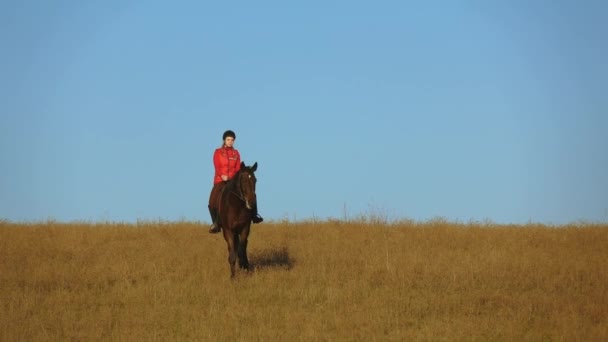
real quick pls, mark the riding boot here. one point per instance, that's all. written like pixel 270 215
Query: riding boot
pixel 256 217
pixel 215 227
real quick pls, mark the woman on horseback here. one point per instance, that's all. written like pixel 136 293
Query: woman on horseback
pixel 227 162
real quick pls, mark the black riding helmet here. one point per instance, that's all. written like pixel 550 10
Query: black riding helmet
pixel 228 133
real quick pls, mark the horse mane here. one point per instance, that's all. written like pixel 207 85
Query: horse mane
pixel 234 182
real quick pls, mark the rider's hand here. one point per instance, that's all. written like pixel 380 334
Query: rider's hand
pixel 224 178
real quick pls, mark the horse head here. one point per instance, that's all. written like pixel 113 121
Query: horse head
pixel 246 181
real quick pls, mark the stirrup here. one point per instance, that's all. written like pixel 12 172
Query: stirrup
pixel 257 219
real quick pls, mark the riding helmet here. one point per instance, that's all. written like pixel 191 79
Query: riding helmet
pixel 228 133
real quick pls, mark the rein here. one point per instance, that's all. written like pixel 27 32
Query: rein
pixel 238 194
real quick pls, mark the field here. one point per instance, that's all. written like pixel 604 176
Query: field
pixel 331 280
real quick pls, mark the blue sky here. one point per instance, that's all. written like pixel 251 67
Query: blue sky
pixel 467 110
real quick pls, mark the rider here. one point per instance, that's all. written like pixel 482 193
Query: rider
pixel 227 162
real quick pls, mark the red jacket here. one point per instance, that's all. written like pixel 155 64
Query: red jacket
pixel 227 161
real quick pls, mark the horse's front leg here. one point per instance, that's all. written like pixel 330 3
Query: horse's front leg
pixel 232 249
pixel 242 250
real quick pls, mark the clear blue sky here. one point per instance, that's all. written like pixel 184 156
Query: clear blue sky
pixel 467 110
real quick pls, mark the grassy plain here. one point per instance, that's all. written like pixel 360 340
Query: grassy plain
pixel 312 281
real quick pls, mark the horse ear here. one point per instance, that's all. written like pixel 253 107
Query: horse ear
pixel 254 167
pixel 242 165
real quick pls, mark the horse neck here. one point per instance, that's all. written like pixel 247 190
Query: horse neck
pixel 235 184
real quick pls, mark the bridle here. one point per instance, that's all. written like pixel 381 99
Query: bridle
pixel 238 194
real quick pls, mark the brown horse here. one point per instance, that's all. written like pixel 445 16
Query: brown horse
pixel 236 202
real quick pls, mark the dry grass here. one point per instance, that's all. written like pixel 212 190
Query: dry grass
pixel 331 280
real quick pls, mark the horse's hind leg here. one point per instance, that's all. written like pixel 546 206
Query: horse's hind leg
pixel 243 262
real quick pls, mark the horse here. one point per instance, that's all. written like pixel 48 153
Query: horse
pixel 236 202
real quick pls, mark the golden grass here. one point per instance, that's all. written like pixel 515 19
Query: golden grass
pixel 325 281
